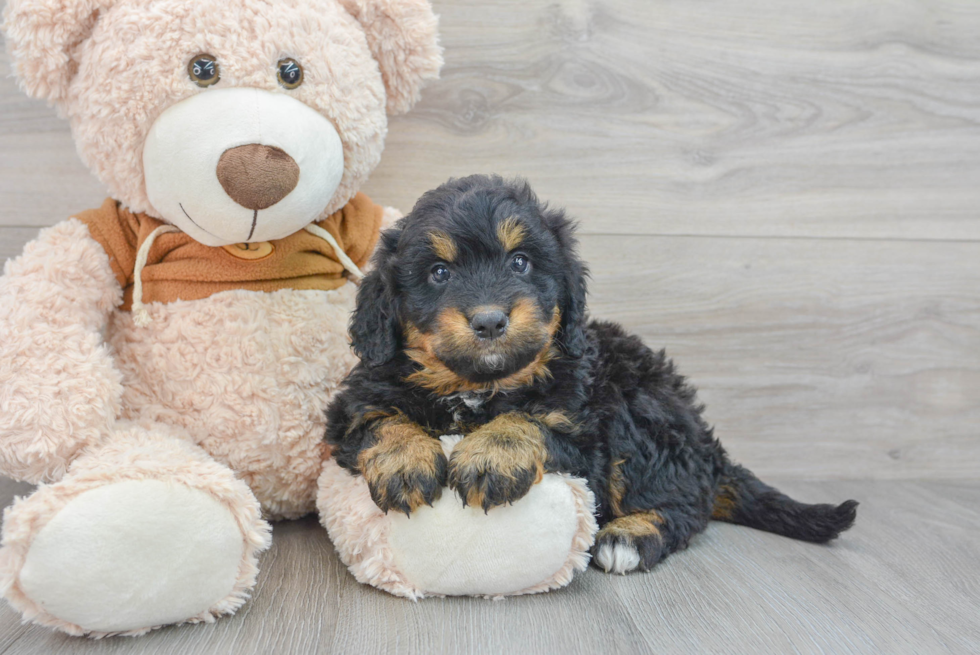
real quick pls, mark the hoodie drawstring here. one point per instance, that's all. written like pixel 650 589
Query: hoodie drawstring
pixel 141 317
pixel 346 261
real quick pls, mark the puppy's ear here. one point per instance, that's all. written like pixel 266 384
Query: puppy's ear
pixel 403 38
pixel 571 337
pixel 374 329
pixel 42 37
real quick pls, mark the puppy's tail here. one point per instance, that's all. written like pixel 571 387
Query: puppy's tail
pixel 744 499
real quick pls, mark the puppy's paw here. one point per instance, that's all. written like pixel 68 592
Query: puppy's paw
pixel 629 543
pixel 498 463
pixel 405 469
pixel 616 557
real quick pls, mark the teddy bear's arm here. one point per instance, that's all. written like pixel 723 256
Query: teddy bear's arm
pixel 59 389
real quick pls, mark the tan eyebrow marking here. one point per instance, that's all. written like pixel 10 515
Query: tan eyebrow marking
pixel 511 233
pixel 443 246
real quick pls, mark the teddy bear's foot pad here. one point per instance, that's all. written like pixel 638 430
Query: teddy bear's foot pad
pixel 134 554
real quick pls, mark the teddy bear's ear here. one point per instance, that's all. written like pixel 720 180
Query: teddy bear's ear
pixel 404 40
pixel 42 36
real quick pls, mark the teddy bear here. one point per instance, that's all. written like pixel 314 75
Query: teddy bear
pixel 166 358
pixel 532 545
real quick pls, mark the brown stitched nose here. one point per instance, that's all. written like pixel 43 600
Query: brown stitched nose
pixel 257 176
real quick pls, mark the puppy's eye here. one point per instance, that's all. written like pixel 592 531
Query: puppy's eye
pixel 520 264
pixel 440 273
pixel 203 70
pixel 290 73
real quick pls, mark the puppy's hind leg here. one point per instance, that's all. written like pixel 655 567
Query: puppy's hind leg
pixel 640 539
pixel 629 543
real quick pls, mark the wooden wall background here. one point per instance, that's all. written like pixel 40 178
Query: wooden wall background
pixel 784 195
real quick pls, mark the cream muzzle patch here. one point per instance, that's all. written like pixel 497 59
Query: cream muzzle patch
pixel 260 177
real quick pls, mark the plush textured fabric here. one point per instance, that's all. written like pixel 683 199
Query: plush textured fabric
pixel 179 268
pixel 399 33
pixel 190 152
pixel 247 375
pixel 143 451
pixel 70 52
pixel 59 388
pixel 533 546
pixel 139 551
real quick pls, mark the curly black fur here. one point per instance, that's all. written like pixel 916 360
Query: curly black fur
pixel 630 424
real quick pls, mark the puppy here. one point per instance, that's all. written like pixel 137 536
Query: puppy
pixel 474 322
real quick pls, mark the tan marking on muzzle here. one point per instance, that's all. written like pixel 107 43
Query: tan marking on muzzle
pixel 441 380
pixel 257 176
pixel 453 328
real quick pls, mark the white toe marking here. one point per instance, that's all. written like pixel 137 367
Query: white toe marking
pixel 604 557
pixel 618 558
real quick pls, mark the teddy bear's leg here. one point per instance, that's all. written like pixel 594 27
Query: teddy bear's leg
pixel 144 530
pixel 533 545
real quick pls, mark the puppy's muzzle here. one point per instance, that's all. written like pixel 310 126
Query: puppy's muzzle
pixel 489 324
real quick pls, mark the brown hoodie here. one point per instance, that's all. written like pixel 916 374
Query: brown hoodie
pixel 180 268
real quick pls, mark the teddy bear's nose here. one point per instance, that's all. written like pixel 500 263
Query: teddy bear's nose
pixel 257 176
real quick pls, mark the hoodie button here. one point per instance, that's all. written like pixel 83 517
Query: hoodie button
pixel 250 251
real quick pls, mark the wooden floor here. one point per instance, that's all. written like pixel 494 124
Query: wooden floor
pixel 784 195
pixel 906 579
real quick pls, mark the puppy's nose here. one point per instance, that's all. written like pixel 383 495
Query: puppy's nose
pixel 256 176
pixel 489 324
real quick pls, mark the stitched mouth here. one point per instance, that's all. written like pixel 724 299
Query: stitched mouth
pixel 255 220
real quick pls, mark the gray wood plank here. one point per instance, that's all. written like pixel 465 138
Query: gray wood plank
pixel 12 241
pixel 42 180
pixel 903 580
pixel 837 118
pixel 817 358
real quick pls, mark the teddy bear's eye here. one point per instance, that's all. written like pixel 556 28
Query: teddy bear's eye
pixel 290 73
pixel 203 70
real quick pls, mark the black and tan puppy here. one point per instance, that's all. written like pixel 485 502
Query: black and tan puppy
pixel 474 323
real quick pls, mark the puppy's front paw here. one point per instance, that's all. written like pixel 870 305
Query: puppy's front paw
pixel 498 463
pixel 405 468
